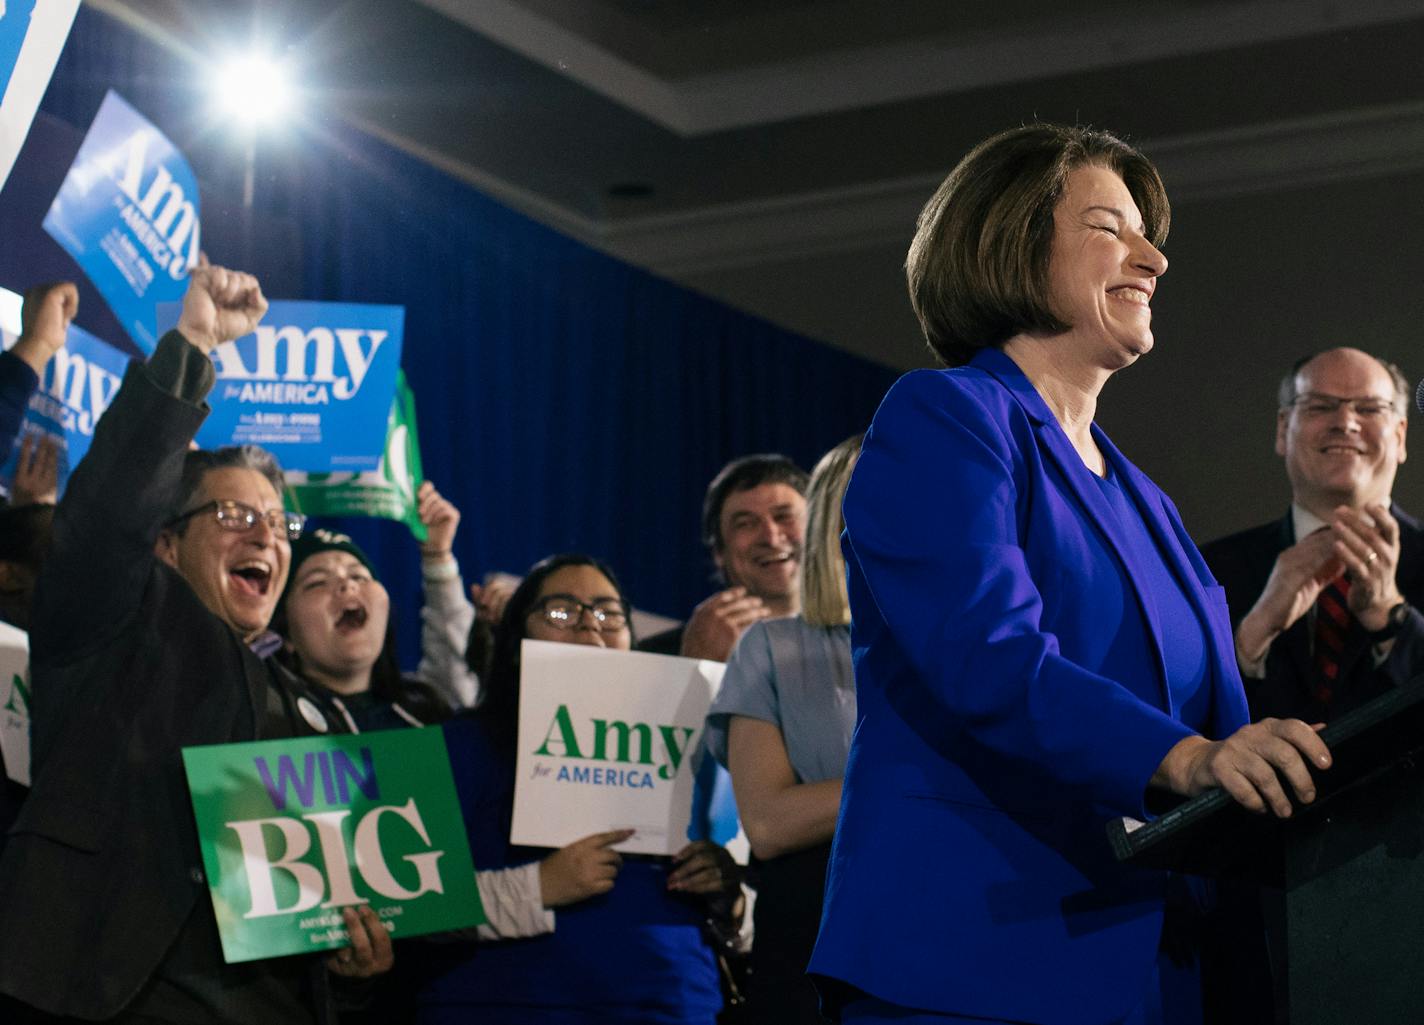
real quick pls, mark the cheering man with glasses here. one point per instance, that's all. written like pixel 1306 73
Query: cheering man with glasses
pixel 1323 600
pixel 149 634
pixel 229 551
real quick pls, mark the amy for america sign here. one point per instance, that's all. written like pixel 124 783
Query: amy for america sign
pixel 606 740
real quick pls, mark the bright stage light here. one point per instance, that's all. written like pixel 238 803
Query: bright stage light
pixel 253 90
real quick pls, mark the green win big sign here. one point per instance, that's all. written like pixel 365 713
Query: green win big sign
pixel 293 831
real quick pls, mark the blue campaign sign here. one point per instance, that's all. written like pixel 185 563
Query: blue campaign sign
pixel 128 214
pixel 313 384
pixel 78 385
pixel 14 25
pixel 31 37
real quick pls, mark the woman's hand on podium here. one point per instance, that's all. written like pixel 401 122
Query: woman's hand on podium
pixel 1246 765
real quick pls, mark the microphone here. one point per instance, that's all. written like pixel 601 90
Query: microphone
pixel 1419 397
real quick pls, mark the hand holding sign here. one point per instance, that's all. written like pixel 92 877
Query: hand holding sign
pixel 440 518
pixel 583 869
pixel 705 868
pixel 79 376
pixel 220 305
pixel 44 321
pixel 370 951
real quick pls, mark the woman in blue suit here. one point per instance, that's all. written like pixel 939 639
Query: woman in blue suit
pixel 1036 640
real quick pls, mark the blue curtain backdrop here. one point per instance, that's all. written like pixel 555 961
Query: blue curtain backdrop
pixel 566 401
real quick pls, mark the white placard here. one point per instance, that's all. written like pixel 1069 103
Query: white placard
pixel 15 702
pixel 32 33
pixel 11 303
pixel 605 742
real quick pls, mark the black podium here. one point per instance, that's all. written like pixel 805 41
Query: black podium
pixel 1343 876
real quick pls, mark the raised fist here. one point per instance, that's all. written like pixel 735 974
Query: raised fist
pixel 44 322
pixel 220 305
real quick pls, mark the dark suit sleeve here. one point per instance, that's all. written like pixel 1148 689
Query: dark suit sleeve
pixel 17 383
pixel 117 499
pixel 1242 563
pixel 669 642
pixel 932 519
pixel 1406 656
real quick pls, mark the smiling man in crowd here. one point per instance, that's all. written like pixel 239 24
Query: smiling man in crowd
pixel 753 519
pixel 1324 600
pixel 149 634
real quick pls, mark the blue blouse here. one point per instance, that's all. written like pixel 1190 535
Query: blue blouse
pixel 633 955
pixel 1183 632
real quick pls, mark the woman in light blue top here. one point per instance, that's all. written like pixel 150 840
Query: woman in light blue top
pixel 782 724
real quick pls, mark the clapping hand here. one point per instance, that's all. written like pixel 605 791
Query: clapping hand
pixel 1367 543
pixel 1297 578
pixel 492 596
pixel 716 624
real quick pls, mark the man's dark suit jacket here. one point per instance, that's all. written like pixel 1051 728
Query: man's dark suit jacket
pixel 669 642
pixel 102 868
pixel 1243 562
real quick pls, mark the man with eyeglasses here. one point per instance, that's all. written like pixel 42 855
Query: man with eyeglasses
pixel 1323 601
pixel 149 634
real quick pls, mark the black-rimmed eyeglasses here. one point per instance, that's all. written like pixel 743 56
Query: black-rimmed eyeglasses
pixel 565 612
pixel 1366 408
pixel 237 516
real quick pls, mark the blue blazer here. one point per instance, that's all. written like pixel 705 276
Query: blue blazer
pixel 998 729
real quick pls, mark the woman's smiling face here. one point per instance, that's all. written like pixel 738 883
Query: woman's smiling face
pixel 1102 270
pixel 336 615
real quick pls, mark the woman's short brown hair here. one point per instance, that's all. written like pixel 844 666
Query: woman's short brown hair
pixel 978 265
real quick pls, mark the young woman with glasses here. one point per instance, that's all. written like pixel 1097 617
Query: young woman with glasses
pixel 628 942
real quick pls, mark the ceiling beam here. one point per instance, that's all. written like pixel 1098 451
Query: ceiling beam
pixel 1209 165
pixel 852 79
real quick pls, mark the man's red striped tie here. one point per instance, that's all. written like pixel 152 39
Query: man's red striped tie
pixel 1333 622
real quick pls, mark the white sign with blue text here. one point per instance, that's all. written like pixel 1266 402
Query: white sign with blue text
pixel 313 384
pixel 128 214
pixel 606 740
pixel 32 34
pixel 79 382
